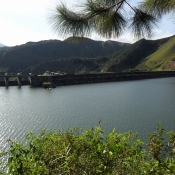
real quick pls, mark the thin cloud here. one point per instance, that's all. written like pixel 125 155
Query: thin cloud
pixel 24 21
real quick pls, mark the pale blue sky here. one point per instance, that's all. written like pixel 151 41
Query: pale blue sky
pixel 27 20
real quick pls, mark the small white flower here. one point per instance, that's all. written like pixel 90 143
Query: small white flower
pixel 104 151
pixel 110 153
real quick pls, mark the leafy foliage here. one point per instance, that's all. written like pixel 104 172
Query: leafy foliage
pixel 159 7
pixel 92 152
pixel 69 22
pixel 109 18
pixel 141 23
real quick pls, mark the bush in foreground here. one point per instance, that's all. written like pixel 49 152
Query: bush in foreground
pixel 91 153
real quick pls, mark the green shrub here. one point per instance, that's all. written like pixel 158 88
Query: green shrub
pixel 91 153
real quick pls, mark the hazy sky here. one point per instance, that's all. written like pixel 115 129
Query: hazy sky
pixel 27 20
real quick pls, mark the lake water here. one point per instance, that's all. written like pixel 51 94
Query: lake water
pixel 130 105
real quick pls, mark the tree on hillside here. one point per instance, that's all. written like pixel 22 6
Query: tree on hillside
pixel 108 18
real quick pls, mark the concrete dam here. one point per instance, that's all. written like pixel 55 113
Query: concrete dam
pixel 62 80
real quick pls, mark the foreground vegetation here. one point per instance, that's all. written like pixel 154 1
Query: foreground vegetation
pixel 90 152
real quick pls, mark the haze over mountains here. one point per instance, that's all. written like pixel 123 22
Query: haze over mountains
pixel 88 56
pixel 2 45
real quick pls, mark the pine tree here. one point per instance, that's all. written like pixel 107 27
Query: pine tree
pixel 108 18
pixel 159 7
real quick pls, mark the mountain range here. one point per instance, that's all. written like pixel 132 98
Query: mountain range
pixel 88 56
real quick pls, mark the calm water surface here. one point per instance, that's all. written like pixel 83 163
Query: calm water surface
pixel 131 105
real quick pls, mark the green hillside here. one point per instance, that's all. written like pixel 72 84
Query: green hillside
pixel 18 58
pixel 128 58
pixel 162 59
pixel 89 56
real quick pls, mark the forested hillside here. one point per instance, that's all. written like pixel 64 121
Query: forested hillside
pixel 88 56
pixel 128 59
pixel 16 59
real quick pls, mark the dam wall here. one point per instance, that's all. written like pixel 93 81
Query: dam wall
pixel 63 80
